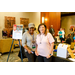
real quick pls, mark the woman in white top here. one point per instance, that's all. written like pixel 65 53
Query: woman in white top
pixel 45 43
pixel 29 42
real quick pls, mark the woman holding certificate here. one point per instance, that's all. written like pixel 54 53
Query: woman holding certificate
pixel 45 44
pixel 28 42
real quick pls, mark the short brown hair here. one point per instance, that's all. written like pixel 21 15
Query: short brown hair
pixel 44 26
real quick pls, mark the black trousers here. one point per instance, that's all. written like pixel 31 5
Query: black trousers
pixel 62 39
pixel 23 53
pixel 31 57
pixel 44 59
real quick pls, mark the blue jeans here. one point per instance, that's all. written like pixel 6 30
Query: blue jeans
pixel 44 59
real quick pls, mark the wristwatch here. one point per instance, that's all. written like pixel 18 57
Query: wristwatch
pixel 50 54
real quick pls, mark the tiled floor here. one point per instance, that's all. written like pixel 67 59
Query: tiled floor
pixel 13 57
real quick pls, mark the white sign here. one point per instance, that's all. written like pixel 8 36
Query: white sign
pixel 17 31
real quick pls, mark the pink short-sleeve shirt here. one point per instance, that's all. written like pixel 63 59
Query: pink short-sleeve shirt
pixel 43 43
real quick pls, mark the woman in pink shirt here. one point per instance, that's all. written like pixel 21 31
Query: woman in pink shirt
pixel 45 44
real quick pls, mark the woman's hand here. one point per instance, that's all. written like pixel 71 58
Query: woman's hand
pixel 29 51
pixel 48 56
pixel 36 53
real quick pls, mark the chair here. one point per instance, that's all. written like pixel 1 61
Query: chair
pixel 5 45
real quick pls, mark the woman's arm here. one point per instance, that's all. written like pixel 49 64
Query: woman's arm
pixel 36 51
pixel 51 42
pixel 24 40
pixel 29 51
pixel 52 45
pixel 51 50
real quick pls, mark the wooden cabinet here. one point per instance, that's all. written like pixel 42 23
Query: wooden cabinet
pixel 24 21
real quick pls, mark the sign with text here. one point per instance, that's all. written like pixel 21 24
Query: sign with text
pixel 17 31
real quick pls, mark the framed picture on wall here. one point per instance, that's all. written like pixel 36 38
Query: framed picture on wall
pixel 9 21
pixel 24 21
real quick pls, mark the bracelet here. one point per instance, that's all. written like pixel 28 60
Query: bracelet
pixel 50 54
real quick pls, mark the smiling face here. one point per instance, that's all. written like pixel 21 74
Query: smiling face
pixel 31 30
pixel 42 29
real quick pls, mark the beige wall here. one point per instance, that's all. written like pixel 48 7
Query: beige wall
pixel 66 22
pixel 33 17
pixel 17 15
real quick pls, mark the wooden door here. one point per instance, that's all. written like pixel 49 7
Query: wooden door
pixel 46 16
pixel 53 18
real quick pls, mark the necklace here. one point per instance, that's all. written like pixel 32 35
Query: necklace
pixel 41 37
pixel 32 38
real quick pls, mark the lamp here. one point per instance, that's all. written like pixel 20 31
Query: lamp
pixel 43 20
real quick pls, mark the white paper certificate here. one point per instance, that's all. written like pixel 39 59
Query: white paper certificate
pixel 17 31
